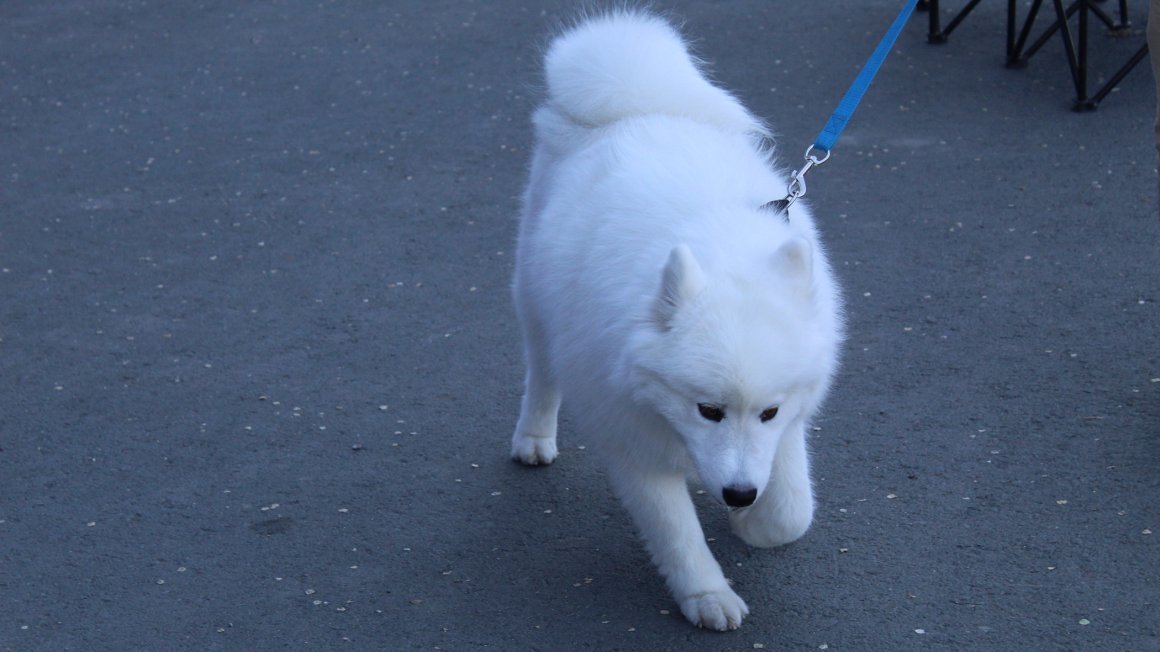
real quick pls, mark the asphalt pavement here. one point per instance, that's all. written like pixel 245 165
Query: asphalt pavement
pixel 259 367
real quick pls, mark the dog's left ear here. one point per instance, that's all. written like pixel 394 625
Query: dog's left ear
pixel 794 262
pixel 681 281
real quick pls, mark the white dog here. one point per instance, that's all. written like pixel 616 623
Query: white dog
pixel 690 328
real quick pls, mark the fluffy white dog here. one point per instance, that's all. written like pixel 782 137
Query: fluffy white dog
pixel 689 328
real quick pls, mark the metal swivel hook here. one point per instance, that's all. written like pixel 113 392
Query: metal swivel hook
pixel 797 182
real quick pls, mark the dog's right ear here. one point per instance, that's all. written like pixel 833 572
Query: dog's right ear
pixel 681 281
pixel 794 262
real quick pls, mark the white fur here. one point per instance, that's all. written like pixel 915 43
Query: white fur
pixel 649 280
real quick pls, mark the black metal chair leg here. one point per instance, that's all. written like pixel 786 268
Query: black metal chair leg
pixel 1076 61
pixel 934 32
pixel 1119 76
pixel 1050 31
pixel 1082 101
pixel 1018 58
pixel 939 34
pixel 970 6
pixel 1111 23
pixel 1011 28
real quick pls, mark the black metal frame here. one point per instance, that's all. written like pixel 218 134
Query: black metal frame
pixel 1076 48
pixel 938 34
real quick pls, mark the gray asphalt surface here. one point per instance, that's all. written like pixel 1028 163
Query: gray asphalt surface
pixel 258 365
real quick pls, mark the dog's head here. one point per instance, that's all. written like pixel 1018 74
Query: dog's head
pixel 733 361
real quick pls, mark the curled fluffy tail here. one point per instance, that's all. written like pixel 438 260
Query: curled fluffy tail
pixel 625 64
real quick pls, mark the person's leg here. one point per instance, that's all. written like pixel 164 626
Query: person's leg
pixel 1154 55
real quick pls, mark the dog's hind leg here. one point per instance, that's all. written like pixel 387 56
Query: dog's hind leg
pixel 784 511
pixel 534 441
pixel 663 512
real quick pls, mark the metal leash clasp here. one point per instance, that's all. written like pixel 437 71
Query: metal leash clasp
pixel 797 183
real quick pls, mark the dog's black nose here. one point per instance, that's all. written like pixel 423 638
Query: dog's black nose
pixel 739 496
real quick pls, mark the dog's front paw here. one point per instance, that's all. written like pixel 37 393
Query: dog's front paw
pixel 774 521
pixel 533 451
pixel 720 610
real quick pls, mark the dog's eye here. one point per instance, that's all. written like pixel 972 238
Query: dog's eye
pixel 768 413
pixel 710 411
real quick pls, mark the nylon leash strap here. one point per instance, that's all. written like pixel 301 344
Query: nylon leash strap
pixel 841 115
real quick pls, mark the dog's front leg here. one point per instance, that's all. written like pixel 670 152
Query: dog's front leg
pixel 784 511
pixel 663 512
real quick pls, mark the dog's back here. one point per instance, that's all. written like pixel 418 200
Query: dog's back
pixel 628 163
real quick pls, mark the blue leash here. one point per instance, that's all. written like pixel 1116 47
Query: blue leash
pixel 837 122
